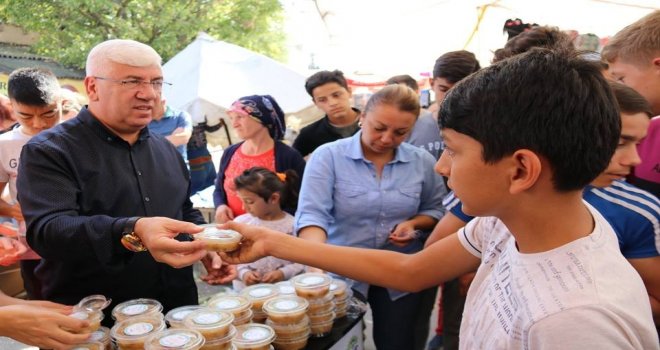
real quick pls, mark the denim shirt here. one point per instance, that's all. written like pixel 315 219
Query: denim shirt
pixel 342 194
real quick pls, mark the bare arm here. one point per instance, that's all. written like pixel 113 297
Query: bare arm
pixel 6 209
pixel 449 224
pixel 441 262
pixel 313 233
pixel 649 270
pixel 179 136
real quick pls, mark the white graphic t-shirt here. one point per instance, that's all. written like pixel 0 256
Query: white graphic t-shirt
pixel 11 144
pixel 582 295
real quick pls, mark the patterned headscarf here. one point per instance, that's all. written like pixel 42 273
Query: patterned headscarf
pixel 264 109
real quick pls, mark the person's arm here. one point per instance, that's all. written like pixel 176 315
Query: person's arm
pixel 9 210
pixel 449 224
pixel 649 270
pixel 10 251
pixel 179 137
pixel 407 272
pixel 222 211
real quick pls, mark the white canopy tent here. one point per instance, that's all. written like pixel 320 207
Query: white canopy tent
pixel 209 74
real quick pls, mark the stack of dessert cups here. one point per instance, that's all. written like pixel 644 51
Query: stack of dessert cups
pixel 258 294
pixel 238 305
pixel 91 309
pixel 136 320
pixel 287 315
pixel 214 325
pixel 253 336
pixel 315 287
pixel 174 317
pixel 175 339
pixel 341 294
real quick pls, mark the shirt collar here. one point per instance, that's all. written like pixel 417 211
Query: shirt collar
pixel 401 154
pixel 87 118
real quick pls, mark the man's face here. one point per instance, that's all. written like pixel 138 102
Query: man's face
pixel 440 87
pixel 480 186
pixel 645 79
pixel 35 119
pixel 333 99
pixel 119 101
pixel 633 130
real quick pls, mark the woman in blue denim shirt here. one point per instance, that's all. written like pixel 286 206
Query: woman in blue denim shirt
pixel 374 191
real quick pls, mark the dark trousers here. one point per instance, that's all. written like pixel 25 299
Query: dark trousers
pixel 395 322
pixel 31 283
pixel 453 304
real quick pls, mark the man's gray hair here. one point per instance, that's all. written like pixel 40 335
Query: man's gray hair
pixel 128 52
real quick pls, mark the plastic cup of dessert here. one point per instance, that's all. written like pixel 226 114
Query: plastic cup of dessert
pixel 258 294
pixel 175 316
pixel 292 343
pixel 321 318
pixel 286 288
pixel 93 317
pixel 290 331
pixel 179 339
pixel 96 302
pixel 253 336
pixel 137 307
pixel 236 304
pixel 91 345
pixel 286 309
pixel 213 324
pixel 223 343
pixel 219 240
pixel 246 318
pixel 338 288
pixel 102 335
pixel 312 285
pixel 131 333
pixel 321 305
pixel 321 329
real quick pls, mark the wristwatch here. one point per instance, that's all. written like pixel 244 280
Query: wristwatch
pixel 129 239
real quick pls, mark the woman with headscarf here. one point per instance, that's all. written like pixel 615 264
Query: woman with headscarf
pixel 259 121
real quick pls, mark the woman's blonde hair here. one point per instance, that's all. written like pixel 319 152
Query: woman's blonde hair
pixel 397 95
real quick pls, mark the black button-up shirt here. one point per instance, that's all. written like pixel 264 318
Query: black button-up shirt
pixel 78 185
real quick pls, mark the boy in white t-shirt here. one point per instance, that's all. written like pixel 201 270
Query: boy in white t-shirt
pixel 35 97
pixel 523 138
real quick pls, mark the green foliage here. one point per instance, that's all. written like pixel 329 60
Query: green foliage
pixel 68 29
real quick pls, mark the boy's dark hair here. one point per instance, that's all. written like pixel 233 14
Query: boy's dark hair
pixel 33 86
pixel 264 183
pixel 629 100
pixel 404 79
pixel 547 37
pixel 550 102
pixel 324 77
pixel 455 65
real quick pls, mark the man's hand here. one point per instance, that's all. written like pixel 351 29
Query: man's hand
pixel 10 251
pixel 252 245
pixel 251 277
pixel 217 272
pixel 41 327
pixel 223 214
pixel 157 234
pixel 273 276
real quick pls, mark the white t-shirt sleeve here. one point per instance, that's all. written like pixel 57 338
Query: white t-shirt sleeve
pixel 475 233
pixel 587 327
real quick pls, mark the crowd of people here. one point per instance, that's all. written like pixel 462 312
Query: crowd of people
pixel 528 191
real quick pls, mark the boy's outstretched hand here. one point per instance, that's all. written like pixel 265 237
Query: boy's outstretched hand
pixel 252 246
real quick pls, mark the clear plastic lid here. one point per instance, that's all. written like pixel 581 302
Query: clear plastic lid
pixel 91 345
pixel 176 316
pixel 101 335
pixel 230 303
pixel 136 328
pixel 207 318
pixel 136 307
pixel 175 339
pixel 285 306
pixel 286 287
pixel 338 287
pixel 91 316
pixel 253 335
pixel 311 280
pixel 211 232
pixel 262 291
pixel 96 302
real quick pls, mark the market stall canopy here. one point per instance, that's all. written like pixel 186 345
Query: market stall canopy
pixel 209 74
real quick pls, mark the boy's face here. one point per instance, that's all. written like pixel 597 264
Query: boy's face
pixel 633 130
pixel 35 119
pixel 333 99
pixel 480 186
pixel 440 87
pixel 645 79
